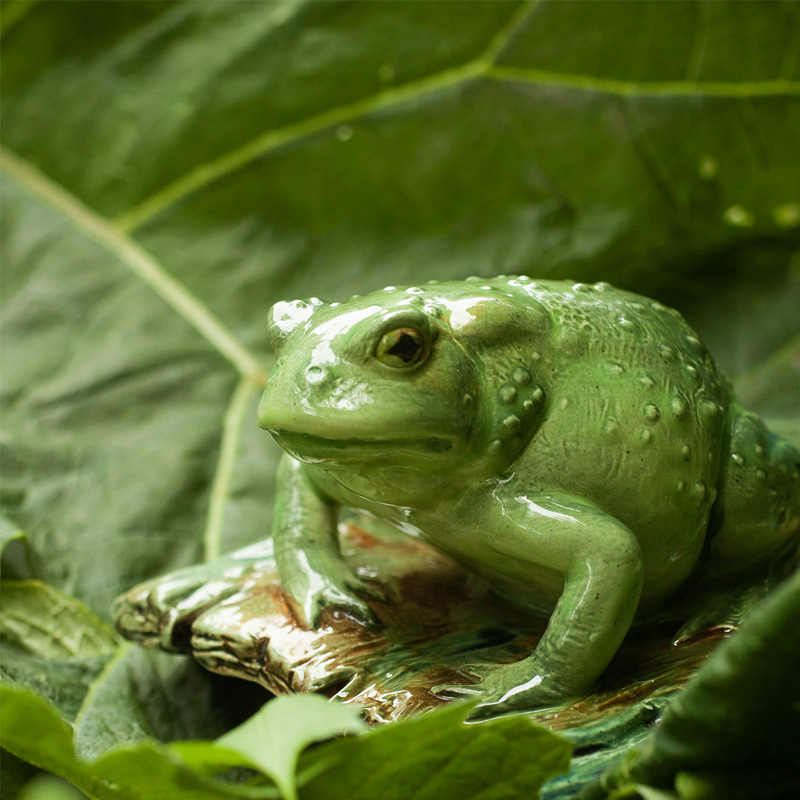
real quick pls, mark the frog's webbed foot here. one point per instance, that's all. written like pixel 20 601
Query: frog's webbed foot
pixel 480 676
pixel 313 593
pixel 504 688
pixel 601 563
pixel 310 563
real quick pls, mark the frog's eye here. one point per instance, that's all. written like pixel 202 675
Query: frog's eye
pixel 402 348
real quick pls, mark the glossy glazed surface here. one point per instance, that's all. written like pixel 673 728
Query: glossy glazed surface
pixel 574 444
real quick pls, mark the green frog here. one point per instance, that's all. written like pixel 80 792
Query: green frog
pixel 574 444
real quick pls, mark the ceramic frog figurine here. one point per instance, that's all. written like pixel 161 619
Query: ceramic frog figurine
pixel 574 444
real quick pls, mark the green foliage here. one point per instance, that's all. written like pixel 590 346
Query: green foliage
pixel 434 756
pixel 71 629
pixel 750 685
pixel 47 787
pixel 733 731
pixel 441 757
pixel 169 170
pixel 273 740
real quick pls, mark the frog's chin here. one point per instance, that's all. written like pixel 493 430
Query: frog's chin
pixel 313 449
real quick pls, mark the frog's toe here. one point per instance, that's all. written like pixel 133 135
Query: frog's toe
pixel 478 673
pixel 340 599
pixel 456 691
pixel 357 584
pixel 502 690
pixel 505 697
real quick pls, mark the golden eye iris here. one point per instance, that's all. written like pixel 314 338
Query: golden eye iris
pixel 401 348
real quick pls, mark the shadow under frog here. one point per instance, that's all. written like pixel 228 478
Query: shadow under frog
pixel 573 444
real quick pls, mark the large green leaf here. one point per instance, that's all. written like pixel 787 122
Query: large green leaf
pixel 257 151
pixel 170 169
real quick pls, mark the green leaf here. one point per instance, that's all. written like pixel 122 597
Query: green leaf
pixel 47 787
pixel 51 643
pixel 64 683
pixel 273 740
pixel 739 716
pixel 437 757
pixel 148 771
pixel 741 707
pixel 15 556
pixel 441 757
pixel 142 695
pixel 31 729
pixel 49 624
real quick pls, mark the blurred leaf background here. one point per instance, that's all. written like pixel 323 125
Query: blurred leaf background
pixel 171 169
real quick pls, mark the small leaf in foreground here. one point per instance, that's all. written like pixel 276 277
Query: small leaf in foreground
pixel 152 696
pixel 31 729
pixel 437 757
pixel 147 770
pixel 273 739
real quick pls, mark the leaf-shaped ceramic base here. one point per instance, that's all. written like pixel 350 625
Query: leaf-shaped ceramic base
pixel 234 618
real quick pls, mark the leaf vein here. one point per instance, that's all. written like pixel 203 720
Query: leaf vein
pixel 627 88
pixel 138 260
pixel 504 36
pixel 220 488
pixel 111 664
pixel 205 174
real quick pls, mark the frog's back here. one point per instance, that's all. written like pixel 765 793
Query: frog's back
pixel 632 416
pixel 638 419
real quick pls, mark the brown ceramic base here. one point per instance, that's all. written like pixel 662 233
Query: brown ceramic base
pixel 235 619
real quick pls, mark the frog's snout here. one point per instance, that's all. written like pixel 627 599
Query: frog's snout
pixel 290 394
pixel 263 415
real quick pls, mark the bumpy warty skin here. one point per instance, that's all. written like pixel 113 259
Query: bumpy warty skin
pixel 574 443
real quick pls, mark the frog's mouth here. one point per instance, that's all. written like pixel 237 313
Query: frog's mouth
pixel 319 449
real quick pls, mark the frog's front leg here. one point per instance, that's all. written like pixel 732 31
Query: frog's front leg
pixel 601 563
pixel 307 550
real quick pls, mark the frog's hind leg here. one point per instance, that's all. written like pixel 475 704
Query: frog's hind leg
pixel 757 513
pixel 601 563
